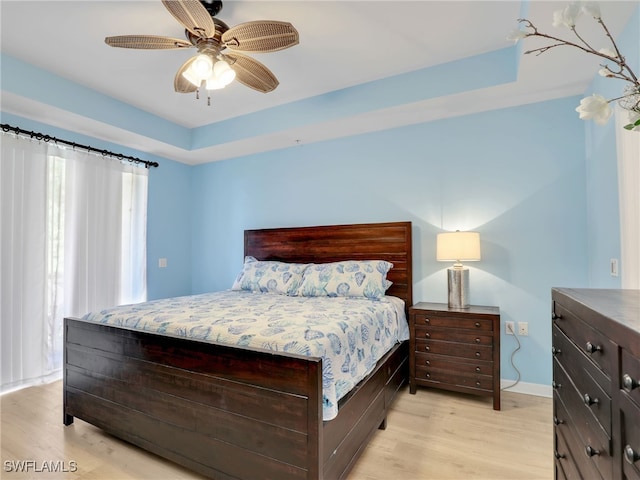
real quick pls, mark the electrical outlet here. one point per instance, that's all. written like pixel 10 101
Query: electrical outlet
pixel 509 328
pixel 523 328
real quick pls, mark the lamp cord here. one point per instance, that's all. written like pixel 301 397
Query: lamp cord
pixel 511 361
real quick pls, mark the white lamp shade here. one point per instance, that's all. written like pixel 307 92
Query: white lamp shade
pixel 458 246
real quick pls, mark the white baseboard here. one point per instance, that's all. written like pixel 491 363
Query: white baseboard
pixel 536 389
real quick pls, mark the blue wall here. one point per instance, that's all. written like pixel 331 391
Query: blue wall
pixel 517 176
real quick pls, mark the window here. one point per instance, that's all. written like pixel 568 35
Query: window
pixel 73 239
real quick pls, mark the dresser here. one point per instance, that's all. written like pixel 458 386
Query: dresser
pixel 596 383
pixel 455 349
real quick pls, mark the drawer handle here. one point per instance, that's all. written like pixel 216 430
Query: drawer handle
pixel 428 335
pixel 590 451
pixel 556 316
pixel 555 351
pixel 427 363
pixel 591 348
pixel 477 340
pixel 477 383
pixel 478 369
pixel 556 385
pixel 427 375
pixel 427 348
pixel 477 324
pixel 629 383
pixel 589 400
pixel 557 421
pixel 426 320
pixel 559 455
pixel 630 455
pixel 478 354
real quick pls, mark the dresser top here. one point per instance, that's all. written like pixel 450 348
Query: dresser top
pixel 620 306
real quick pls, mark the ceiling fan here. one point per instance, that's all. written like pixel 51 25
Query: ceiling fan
pixel 213 67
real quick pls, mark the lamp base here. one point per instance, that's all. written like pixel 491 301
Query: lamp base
pixel 458 279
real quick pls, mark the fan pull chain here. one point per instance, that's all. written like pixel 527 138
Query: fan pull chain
pixel 208 99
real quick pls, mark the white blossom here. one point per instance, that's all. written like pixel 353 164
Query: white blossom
pixel 605 72
pixel 567 16
pixel 592 8
pixel 608 52
pixel 516 34
pixel 596 108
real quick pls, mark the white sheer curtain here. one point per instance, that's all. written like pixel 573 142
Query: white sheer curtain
pixel 73 239
pixel 628 147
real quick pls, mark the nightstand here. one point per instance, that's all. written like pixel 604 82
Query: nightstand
pixel 455 349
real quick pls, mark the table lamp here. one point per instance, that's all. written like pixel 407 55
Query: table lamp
pixel 457 247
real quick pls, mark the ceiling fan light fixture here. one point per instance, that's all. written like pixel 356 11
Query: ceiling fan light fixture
pixel 210 35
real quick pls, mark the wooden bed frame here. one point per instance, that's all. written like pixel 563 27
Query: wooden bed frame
pixel 234 413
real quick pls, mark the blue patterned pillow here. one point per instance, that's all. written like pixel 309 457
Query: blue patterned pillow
pixel 355 278
pixel 269 277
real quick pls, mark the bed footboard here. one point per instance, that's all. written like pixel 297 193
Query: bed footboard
pixel 225 412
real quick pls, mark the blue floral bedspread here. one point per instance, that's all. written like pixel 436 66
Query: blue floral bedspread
pixel 349 334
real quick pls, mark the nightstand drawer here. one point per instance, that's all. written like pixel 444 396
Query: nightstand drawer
pixel 463 350
pixel 453 335
pixel 469 323
pixel 454 377
pixel 468 367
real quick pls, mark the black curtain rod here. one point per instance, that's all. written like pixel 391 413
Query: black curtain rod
pixel 47 138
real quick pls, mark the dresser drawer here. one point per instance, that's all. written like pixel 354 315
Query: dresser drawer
pixel 577 364
pixel 563 455
pixel 564 459
pixel 451 321
pixel 570 449
pixel 630 436
pixel 451 349
pixel 593 421
pixel 595 344
pixel 630 376
pixel 453 335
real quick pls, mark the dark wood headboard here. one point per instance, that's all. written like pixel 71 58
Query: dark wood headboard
pixel 334 243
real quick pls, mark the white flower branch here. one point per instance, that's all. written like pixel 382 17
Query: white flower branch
pixel 595 106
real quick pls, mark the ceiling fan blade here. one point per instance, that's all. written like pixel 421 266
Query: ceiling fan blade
pixel 151 42
pixel 192 15
pixel 261 36
pixel 181 84
pixel 252 73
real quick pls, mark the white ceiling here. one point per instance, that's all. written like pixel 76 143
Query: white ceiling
pixel 342 44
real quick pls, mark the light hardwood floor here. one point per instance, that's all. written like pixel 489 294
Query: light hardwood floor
pixel 430 435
